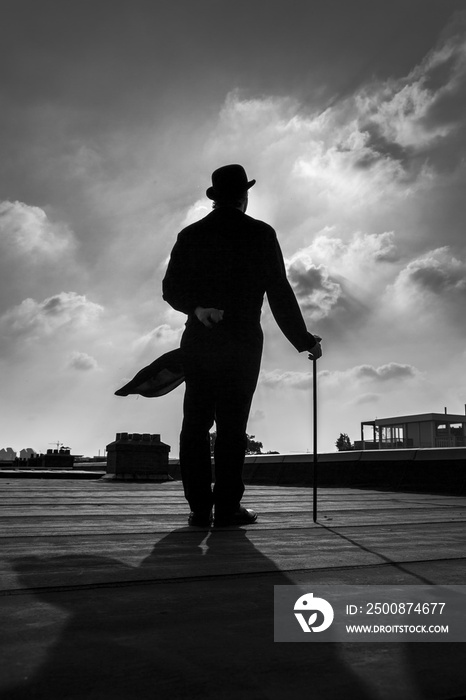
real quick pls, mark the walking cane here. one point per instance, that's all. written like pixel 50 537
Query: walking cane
pixel 314 416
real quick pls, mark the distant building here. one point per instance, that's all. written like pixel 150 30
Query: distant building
pixel 423 430
pixel 54 459
pixel 26 453
pixel 7 454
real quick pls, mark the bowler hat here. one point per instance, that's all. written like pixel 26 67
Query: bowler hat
pixel 229 181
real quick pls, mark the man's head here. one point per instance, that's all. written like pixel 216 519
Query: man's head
pixel 230 187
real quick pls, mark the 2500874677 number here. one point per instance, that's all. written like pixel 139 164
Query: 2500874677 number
pixel 404 608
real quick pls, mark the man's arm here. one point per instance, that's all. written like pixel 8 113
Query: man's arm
pixel 178 284
pixel 285 307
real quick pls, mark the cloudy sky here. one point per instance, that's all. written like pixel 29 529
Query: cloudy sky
pixel 351 117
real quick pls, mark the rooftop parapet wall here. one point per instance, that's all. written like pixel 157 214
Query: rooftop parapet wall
pixel 430 470
pixel 420 454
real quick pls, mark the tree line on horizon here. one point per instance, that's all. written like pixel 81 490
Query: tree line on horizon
pixel 344 444
pixel 254 447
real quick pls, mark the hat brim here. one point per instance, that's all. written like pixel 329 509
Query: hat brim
pixel 214 195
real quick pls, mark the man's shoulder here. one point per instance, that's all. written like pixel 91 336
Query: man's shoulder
pixel 199 225
pixel 187 232
pixel 259 225
pixel 229 217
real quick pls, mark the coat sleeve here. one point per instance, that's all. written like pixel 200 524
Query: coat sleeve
pixel 283 302
pixel 178 284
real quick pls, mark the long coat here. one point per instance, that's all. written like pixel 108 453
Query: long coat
pixel 228 260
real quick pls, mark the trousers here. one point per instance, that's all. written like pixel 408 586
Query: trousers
pixel 221 368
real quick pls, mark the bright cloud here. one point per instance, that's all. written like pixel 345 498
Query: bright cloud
pixel 350 258
pixel 359 162
pixel 431 288
pixel 416 111
pixel 316 157
pixel 82 362
pixel 27 231
pixel 366 194
pixel 257 416
pixel 384 373
pixel 32 319
pixel 391 372
pixel 277 379
pixel 320 272
pixel 161 335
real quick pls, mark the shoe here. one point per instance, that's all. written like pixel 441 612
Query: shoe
pixel 243 516
pixel 200 519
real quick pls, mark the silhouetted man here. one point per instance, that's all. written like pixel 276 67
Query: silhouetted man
pixel 219 270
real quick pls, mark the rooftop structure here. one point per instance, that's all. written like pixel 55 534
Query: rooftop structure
pixel 417 431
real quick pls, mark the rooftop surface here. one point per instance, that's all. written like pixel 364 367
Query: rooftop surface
pixel 106 593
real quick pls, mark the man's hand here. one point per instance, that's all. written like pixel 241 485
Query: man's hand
pixel 316 351
pixel 208 316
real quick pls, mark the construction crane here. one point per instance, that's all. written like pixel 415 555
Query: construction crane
pixel 59 445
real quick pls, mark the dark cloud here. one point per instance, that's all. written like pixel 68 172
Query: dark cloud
pixel 445 75
pixel 416 117
pixel 121 61
pixel 379 146
pixel 437 272
pixel 53 306
pixel 315 290
pixel 430 295
pixel 438 280
pixel 327 300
